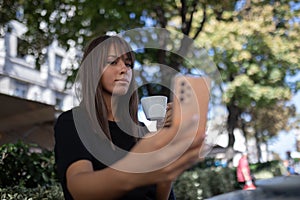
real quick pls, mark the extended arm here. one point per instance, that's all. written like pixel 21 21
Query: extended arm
pixel 85 183
pixel 164 167
pixel 163 190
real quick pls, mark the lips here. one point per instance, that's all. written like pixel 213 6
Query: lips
pixel 123 80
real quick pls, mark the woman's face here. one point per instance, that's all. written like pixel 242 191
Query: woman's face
pixel 117 73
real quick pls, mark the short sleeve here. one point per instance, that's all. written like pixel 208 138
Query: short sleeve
pixel 68 146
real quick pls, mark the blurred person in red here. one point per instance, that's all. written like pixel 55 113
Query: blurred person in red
pixel 243 173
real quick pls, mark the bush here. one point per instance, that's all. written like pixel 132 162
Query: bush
pixel 28 175
pixel 200 183
pixel 206 180
pixel 53 192
pixel 271 166
pixel 21 167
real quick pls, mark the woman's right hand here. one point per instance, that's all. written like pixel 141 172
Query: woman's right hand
pixel 155 159
pixel 163 156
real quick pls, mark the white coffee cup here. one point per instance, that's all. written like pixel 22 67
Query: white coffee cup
pixel 154 107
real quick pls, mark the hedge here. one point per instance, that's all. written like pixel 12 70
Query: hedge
pixel 30 175
pixel 53 192
pixel 20 166
pixel 200 183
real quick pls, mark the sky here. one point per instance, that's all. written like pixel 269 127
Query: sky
pixel 286 141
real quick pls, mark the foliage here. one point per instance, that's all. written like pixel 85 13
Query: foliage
pixel 254 44
pixel 79 20
pixel 74 23
pixel 255 50
pixel 203 183
pixel 277 117
pixel 53 192
pixel 272 166
pixel 19 165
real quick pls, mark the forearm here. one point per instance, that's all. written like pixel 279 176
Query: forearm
pixel 107 183
pixel 163 190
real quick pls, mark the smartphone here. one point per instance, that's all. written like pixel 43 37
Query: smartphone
pixel 191 96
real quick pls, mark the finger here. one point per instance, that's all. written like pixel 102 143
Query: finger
pixel 169 106
pixel 167 124
pixel 168 113
pixel 168 120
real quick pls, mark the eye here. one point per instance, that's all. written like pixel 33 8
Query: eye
pixel 128 62
pixel 112 62
pixel 129 65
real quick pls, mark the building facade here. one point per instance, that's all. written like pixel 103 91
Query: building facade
pixel 30 98
pixel 19 76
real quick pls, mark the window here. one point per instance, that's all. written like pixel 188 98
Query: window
pixel 22 47
pixel 59 101
pixel 58 62
pixel 21 89
pixel 36 96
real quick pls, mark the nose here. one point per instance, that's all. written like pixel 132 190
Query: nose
pixel 123 66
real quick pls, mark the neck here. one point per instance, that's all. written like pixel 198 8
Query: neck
pixel 110 106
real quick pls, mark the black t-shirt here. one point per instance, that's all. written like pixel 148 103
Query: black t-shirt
pixel 69 148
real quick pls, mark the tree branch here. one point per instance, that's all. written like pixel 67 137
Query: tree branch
pixel 183 11
pixel 200 28
pixel 189 23
pixel 161 17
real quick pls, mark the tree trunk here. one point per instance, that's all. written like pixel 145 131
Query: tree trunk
pixel 258 146
pixel 232 122
pixel 267 151
pixel 243 127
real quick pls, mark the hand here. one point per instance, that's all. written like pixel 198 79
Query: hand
pixel 167 121
pixel 168 118
pixel 163 156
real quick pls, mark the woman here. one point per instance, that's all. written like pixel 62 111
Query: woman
pixel 243 173
pixel 101 150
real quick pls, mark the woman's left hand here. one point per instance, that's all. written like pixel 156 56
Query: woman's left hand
pixel 168 118
pixel 167 121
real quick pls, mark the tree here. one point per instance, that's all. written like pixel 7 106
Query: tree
pixel 253 43
pixel 267 122
pixel 74 22
pixel 255 50
pixel 71 22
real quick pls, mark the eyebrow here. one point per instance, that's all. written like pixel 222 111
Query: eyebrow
pixel 112 56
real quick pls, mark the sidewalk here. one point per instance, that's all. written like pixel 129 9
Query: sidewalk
pixel 278 188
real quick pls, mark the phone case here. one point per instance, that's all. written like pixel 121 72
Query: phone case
pixel 191 96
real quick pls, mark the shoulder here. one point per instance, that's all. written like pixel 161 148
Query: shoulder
pixel 65 116
pixel 64 122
